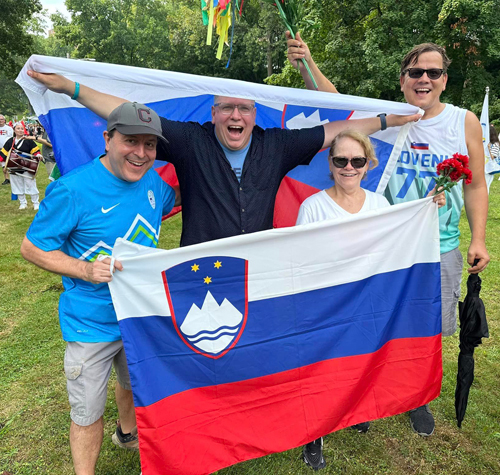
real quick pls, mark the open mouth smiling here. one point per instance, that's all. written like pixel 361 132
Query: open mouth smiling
pixel 422 91
pixel 349 175
pixel 235 130
pixel 135 164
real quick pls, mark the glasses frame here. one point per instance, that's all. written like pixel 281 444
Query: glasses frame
pixel 409 71
pixel 234 106
pixel 348 160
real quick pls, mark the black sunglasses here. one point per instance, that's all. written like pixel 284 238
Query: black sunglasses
pixel 356 162
pixel 416 73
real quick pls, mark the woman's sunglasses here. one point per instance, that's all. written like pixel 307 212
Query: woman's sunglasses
pixel 416 73
pixel 356 162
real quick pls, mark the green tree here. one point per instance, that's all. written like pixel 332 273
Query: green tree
pixel 13 101
pixel 168 34
pixel 469 31
pixel 116 31
pixel 16 42
pixel 359 44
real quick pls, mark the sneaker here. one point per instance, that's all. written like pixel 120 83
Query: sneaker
pixel 36 206
pixel 128 441
pixel 23 206
pixel 422 421
pixel 313 454
pixel 362 427
pixel 6 182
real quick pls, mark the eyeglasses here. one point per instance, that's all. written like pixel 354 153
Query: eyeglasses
pixel 227 109
pixel 356 162
pixel 416 73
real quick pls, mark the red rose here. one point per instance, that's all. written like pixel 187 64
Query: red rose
pixel 464 159
pixel 468 176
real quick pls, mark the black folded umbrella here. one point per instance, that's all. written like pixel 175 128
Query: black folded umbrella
pixel 473 327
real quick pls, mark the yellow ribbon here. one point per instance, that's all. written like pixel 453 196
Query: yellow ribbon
pixel 223 25
pixel 210 21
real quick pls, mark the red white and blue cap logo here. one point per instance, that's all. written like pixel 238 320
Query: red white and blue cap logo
pixel 208 300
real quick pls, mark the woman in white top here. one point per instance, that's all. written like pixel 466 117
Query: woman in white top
pixel 351 156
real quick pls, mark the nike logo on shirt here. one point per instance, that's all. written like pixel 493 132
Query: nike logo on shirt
pixel 109 209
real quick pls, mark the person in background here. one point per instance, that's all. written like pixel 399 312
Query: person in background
pixel 22 183
pixel 47 150
pixel 494 145
pixel 6 133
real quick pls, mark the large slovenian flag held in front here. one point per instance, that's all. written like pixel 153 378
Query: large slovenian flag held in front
pixel 260 343
pixel 76 132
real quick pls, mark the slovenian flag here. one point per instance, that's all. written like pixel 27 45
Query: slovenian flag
pixel 76 133
pixel 259 343
pixel 419 146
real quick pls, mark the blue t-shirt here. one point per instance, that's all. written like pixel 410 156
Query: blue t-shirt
pixel 236 158
pixel 82 215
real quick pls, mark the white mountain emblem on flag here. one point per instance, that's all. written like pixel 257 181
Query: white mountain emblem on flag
pixel 213 327
pixel 300 121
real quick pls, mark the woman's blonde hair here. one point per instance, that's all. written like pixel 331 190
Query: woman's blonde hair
pixel 362 139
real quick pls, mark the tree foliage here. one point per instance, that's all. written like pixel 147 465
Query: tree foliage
pixel 12 98
pixel 164 34
pixel 16 42
pixel 359 45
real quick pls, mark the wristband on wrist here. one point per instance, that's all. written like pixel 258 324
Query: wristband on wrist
pixel 77 91
pixel 383 121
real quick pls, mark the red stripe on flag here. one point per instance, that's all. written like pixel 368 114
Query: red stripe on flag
pixel 167 173
pixel 199 431
pixel 290 196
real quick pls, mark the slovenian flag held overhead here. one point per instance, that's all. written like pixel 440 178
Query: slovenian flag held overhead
pixel 259 343
pixel 76 133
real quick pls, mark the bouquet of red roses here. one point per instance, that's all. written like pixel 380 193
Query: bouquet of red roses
pixel 451 171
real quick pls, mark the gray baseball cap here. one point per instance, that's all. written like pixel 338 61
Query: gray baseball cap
pixel 132 118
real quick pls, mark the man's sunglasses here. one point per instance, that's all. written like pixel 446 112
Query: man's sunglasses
pixel 227 109
pixel 416 73
pixel 356 162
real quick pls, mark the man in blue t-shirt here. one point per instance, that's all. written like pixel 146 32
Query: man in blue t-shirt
pixel 83 213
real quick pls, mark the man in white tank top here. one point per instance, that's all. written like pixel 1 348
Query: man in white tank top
pixel 443 130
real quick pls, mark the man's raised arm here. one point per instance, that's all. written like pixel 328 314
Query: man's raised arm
pixel 98 102
pixel 366 126
pixel 297 50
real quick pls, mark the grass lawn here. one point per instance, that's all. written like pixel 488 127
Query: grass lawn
pixel 34 411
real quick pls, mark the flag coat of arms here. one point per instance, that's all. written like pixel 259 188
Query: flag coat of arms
pixel 259 343
pixel 185 97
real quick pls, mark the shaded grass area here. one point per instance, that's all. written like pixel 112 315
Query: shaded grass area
pixel 34 412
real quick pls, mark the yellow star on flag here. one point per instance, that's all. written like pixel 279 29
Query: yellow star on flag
pixel 195 267
pixel 207 280
pixel 218 264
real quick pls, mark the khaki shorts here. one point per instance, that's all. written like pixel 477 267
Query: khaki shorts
pixel 88 367
pixel 452 264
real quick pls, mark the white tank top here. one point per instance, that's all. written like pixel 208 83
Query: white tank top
pixel 428 143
